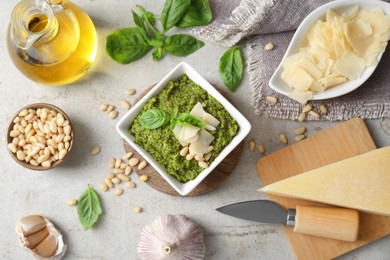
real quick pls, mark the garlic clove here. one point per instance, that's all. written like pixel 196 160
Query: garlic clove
pixel 41 238
pixel 172 237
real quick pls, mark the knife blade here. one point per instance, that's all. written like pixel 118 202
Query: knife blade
pixel 335 223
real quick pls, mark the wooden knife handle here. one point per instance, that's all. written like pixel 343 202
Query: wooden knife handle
pixel 335 223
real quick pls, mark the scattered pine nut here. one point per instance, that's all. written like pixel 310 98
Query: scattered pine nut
pixel 111 163
pixel 116 180
pixel 109 183
pixel 103 107
pixel 314 114
pixel 302 117
pixel 252 145
pixel 271 100
pixel 125 104
pixel 123 165
pixel 117 163
pixel 142 165
pixel 300 131
pixel 130 184
pixel 72 202
pixel 128 170
pixel 95 150
pixel 118 171
pixel 109 108
pixel 127 156
pixel 130 91
pixel 103 186
pixel 113 114
pixel 137 209
pixel 110 176
pixel 323 109
pixel 307 108
pixel 283 139
pixel 299 137
pixel 269 46
pixel 143 177
pixel 133 162
pixel 123 177
pixel 261 148
pixel 118 191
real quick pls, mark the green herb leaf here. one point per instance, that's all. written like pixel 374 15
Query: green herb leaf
pixel 231 68
pixel 88 208
pixel 182 44
pixel 153 118
pixel 172 12
pixel 158 41
pixel 127 45
pixel 158 53
pixel 140 25
pixel 199 13
pixel 188 119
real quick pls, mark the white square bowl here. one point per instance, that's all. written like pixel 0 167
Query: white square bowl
pixel 183 68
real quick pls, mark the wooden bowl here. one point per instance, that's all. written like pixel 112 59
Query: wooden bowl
pixel 26 162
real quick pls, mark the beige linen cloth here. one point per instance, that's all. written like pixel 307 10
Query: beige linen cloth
pixel 257 22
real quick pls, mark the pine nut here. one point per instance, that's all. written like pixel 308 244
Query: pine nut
pixel 299 137
pixel 67 138
pixel 143 177
pixel 103 107
pixel 95 150
pixel 62 154
pixel 123 166
pixel 272 100
pixel 110 108
pixel 203 164
pixel 261 148
pixel 127 156
pixel 110 176
pixel 252 145
pixel 137 209
pixel 116 180
pixel 23 113
pixel 269 46
pixel 130 91
pixel 314 114
pixel 123 177
pixel 125 104
pixel 111 163
pixel 72 202
pixel 67 129
pixel 133 162
pixel 142 165
pixel 103 186
pixel 323 109
pixel 209 149
pixel 46 164
pixel 189 157
pixel 20 155
pixel 117 163
pixel 14 133
pixel 118 171
pixel 184 151
pixel 12 147
pixel 128 170
pixel 113 114
pixel 300 131
pixel 109 183
pixel 118 192
pixel 283 139
pixel 199 158
pixel 207 156
pixel 307 108
pixel 130 184
pixel 302 117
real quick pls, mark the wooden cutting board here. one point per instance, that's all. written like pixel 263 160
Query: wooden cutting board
pixel 345 140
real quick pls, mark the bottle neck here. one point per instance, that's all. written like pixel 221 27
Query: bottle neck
pixel 33 22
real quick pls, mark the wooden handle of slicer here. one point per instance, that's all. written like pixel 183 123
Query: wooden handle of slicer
pixel 335 223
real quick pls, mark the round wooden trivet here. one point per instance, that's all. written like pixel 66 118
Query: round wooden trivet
pixel 216 177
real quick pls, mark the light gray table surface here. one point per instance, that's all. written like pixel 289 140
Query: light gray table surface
pixel 25 192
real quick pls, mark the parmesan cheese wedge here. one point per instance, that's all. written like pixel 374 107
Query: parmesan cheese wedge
pixel 361 182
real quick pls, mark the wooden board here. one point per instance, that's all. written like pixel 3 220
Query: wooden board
pixel 340 142
pixel 213 180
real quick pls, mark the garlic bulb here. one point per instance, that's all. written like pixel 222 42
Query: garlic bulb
pixel 172 237
pixel 40 237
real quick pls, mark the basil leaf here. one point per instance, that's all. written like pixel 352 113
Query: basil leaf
pixel 188 119
pixel 153 118
pixel 158 41
pixel 158 53
pixel 127 45
pixel 140 25
pixel 199 13
pixel 172 12
pixel 182 44
pixel 88 208
pixel 231 68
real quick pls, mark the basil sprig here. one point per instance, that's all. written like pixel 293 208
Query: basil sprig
pixel 231 68
pixel 154 118
pixel 130 44
pixel 88 208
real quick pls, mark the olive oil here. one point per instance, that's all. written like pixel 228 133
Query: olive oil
pixel 64 45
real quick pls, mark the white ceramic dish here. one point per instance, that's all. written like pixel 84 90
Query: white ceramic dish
pixel 299 40
pixel 183 68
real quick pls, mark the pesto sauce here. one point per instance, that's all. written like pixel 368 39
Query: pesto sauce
pixel 162 144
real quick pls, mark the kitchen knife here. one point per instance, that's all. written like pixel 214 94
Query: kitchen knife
pixel 335 223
